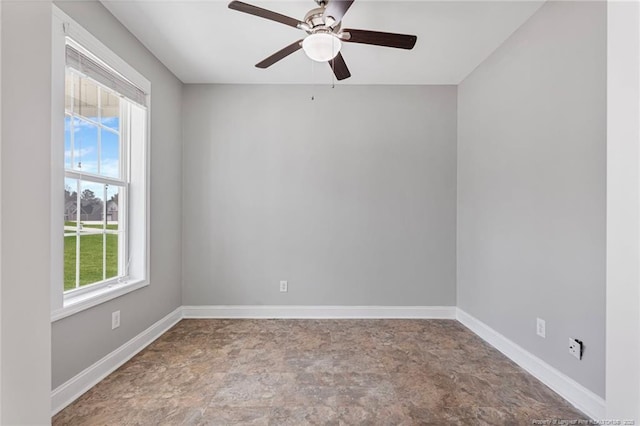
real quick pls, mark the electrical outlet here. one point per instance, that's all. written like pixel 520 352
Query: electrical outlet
pixel 284 286
pixel 541 328
pixel 575 348
pixel 115 320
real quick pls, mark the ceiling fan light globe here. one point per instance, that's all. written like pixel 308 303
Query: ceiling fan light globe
pixel 321 47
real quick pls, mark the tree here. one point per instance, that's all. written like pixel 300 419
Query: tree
pixel 91 205
pixel 88 195
pixel 69 196
pixel 70 204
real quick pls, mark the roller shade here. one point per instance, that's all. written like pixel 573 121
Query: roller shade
pixel 103 75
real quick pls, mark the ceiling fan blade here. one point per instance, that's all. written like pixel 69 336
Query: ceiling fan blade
pixel 337 8
pixel 400 41
pixel 280 54
pixel 339 67
pixel 264 13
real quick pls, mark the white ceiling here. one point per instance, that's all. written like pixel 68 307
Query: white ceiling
pixel 205 42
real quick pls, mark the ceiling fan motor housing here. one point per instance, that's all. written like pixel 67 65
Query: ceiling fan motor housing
pixel 317 23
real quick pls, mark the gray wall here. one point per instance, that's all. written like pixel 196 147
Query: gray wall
pixel 351 197
pixel 531 188
pixel 81 339
pixel 26 256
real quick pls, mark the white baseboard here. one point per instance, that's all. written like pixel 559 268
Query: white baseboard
pixel 582 398
pixel 320 312
pixel 72 389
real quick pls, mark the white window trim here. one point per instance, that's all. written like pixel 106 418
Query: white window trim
pixel 66 304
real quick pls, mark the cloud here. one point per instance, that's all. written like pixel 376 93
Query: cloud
pixel 110 121
pixel 79 125
pixel 78 153
pixel 108 167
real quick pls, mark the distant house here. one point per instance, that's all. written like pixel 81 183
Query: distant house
pixel 112 211
pixel 92 211
pixel 70 211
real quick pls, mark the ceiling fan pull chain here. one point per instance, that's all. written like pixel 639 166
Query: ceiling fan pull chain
pixel 333 67
pixel 333 77
pixel 313 81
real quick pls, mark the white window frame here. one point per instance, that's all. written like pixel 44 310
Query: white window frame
pixel 63 303
pixel 121 181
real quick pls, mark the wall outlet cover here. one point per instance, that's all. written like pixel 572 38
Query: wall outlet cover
pixel 541 328
pixel 115 320
pixel 575 348
pixel 284 286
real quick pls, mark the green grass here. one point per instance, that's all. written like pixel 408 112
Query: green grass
pixel 90 259
pixel 99 226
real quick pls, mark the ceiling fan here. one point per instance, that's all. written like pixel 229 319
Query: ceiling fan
pixel 325 35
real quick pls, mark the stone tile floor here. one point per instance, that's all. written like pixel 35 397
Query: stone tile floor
pixel 295 372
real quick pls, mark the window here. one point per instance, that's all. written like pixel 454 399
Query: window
pixel 95 237
pixel 100 191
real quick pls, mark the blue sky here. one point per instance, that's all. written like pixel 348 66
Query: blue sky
pixel 86 146
pixel 86 152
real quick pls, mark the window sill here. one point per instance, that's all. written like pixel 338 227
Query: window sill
pixel 81 302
